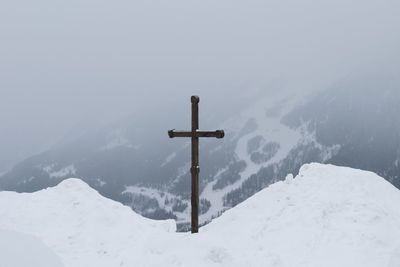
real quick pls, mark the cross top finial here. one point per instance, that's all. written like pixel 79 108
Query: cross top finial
pixel 195 99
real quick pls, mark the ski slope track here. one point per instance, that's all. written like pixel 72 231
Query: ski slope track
pixel 327 216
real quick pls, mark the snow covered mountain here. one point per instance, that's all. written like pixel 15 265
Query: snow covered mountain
pixel 354 123
pixel 326 216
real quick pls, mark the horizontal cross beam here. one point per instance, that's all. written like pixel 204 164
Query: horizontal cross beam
pixel 217 134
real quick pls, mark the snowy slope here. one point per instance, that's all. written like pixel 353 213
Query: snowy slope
pixel 326 216
pixel 21 250
pixel 83 227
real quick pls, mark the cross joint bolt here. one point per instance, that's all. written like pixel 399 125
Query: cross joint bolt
pixel 195 169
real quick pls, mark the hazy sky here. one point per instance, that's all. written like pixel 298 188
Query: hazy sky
pixel 65 63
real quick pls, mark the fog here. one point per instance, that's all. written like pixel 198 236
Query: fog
pixel 67 66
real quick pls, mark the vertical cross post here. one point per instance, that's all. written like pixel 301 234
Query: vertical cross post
pixel 195 134
pixel 195 169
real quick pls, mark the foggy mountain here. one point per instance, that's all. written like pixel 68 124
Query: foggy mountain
pixel 352 123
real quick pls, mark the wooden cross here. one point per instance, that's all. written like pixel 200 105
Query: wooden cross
pixel 195 134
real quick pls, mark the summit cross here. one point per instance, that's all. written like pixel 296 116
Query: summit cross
pixel 195 134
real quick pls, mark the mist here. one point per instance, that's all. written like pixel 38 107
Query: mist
pixel 68 66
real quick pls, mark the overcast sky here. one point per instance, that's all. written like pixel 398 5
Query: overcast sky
pixel 64 63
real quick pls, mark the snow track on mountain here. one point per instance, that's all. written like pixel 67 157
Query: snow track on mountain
pixel 272 131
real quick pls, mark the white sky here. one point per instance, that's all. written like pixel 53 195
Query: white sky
pixel 67 62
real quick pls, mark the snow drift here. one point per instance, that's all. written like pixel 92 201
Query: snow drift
pixel 326 216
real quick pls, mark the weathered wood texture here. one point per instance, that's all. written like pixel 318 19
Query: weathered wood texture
pixel 195 134
pixel 216 134
pixel 195 165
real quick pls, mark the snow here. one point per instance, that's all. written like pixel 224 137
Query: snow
pixel 326 216
pixel 101 182
pixel 30 179
pixel 160 196
pixel 117 138
pixel 21 250
pixel 117 142
pixel 69 170
pixel 48 168
pixel 271 128
pixel 64 172
pixel 81 226
pixel 168 159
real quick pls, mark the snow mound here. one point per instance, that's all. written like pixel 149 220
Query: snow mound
pixel 78 223
pixel 326 216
